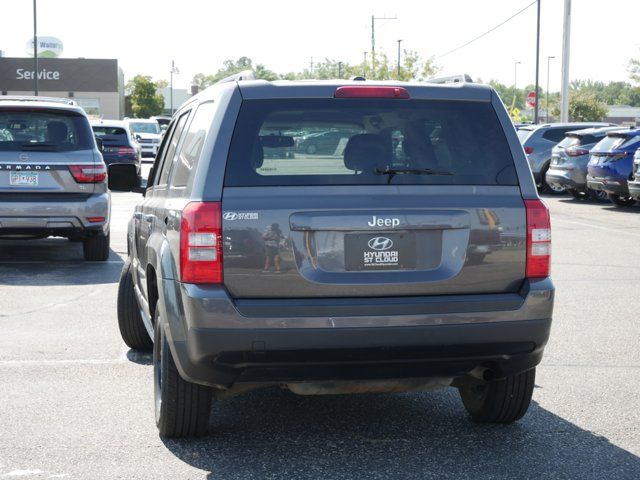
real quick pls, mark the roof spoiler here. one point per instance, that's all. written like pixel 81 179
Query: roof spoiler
pixel 29 98
pixel 461 78
pixel 236 77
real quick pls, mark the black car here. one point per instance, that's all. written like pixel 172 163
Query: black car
pixel 117 144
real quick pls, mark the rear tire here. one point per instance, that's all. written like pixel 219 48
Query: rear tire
pixel 577 195
pixel 182 408
pixel 132 329
pixel 621 201
pixel 598 195
pixel 499 401
pixel 544 187
pixel 96 248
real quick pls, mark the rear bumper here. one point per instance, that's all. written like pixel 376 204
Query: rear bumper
pixel 634 189
pixel 54 215
pixel 438 338
pixel 565 179
pixel 611 185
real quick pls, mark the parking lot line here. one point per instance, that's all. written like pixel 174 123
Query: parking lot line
pixel 599 227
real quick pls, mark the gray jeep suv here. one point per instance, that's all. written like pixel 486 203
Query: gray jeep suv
pixel 349 270
pixel 52 175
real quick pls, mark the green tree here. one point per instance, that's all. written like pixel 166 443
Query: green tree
pixel 585 107
pixel 231 67
pixel 634 69
pixel 145 99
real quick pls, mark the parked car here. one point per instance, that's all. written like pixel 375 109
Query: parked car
pixel 163 121
pixel 539 140
pixel 634 183
pixel 118 145
pixel 611 164
pixel 147 133
pixel 323 143
pixel 356 272
pixel 569 159
pixel 52 176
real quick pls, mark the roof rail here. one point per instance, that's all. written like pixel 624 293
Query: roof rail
pixel 236 77
pixel 29 98
pixel 460 78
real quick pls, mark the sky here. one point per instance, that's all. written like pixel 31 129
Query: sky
pixel 145 35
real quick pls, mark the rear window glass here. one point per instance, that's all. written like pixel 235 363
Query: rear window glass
pixel 368 142
pixel 144 127
pixel 111 135
pixel 43 130
pixel 611 142
pixel 569 142
pixel 554 134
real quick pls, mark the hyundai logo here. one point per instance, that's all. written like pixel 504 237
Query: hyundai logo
pixel 230 215
pixel 380 243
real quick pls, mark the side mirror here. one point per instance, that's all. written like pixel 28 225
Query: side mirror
pixel 100 144
pixel 138 137
pixel 123 177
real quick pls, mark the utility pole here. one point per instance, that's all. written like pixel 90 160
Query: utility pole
pixel 35 49
pixel 547 95
pixel 566 46
pixel 339 69
pixel 373 38
pixel 399 42
pixel 174 69
pixel 535 108
pixel 311 66
pixel 364 65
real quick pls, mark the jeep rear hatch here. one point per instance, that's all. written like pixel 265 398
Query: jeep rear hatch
pixel 370 194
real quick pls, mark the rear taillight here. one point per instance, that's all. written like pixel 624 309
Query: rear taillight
pixel 576 152
pixel 528 150
pixel 538 239
pixel 94 173
pixel 200 243
pixel 125 151
pixel 370 91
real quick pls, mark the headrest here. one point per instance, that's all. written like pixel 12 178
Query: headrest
pixel 57 132
pixel 366 152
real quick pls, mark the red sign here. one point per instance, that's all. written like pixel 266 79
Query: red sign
pixel 531 99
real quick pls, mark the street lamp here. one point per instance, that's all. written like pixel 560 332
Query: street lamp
pixel 175 70
pixel 35 50
pixel 399 42
pixel 547 94
pixel 515 75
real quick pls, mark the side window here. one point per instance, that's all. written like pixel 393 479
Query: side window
pixel 157 164
pixel 187 158
pixel 171 145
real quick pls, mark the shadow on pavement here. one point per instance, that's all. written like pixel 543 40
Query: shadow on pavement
pixel 53 261
pixel 275 434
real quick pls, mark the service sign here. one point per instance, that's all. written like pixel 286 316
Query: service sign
pixel 59 74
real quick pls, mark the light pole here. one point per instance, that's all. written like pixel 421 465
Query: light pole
pixel 535 107
pixel 35 49
pixel 399 42
pixel 547 94
pixel 515 75
pixel 373 39
pixel 175 70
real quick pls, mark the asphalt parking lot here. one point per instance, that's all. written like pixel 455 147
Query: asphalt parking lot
pixel 77 404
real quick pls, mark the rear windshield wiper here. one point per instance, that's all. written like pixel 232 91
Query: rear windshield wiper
pixel 392 172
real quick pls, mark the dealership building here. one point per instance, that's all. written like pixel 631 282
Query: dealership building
pixel 97 85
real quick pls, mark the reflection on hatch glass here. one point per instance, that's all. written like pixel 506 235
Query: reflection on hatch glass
pixel 365 142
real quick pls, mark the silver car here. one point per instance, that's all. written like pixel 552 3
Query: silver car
pixel 53 180
pixel 539 140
